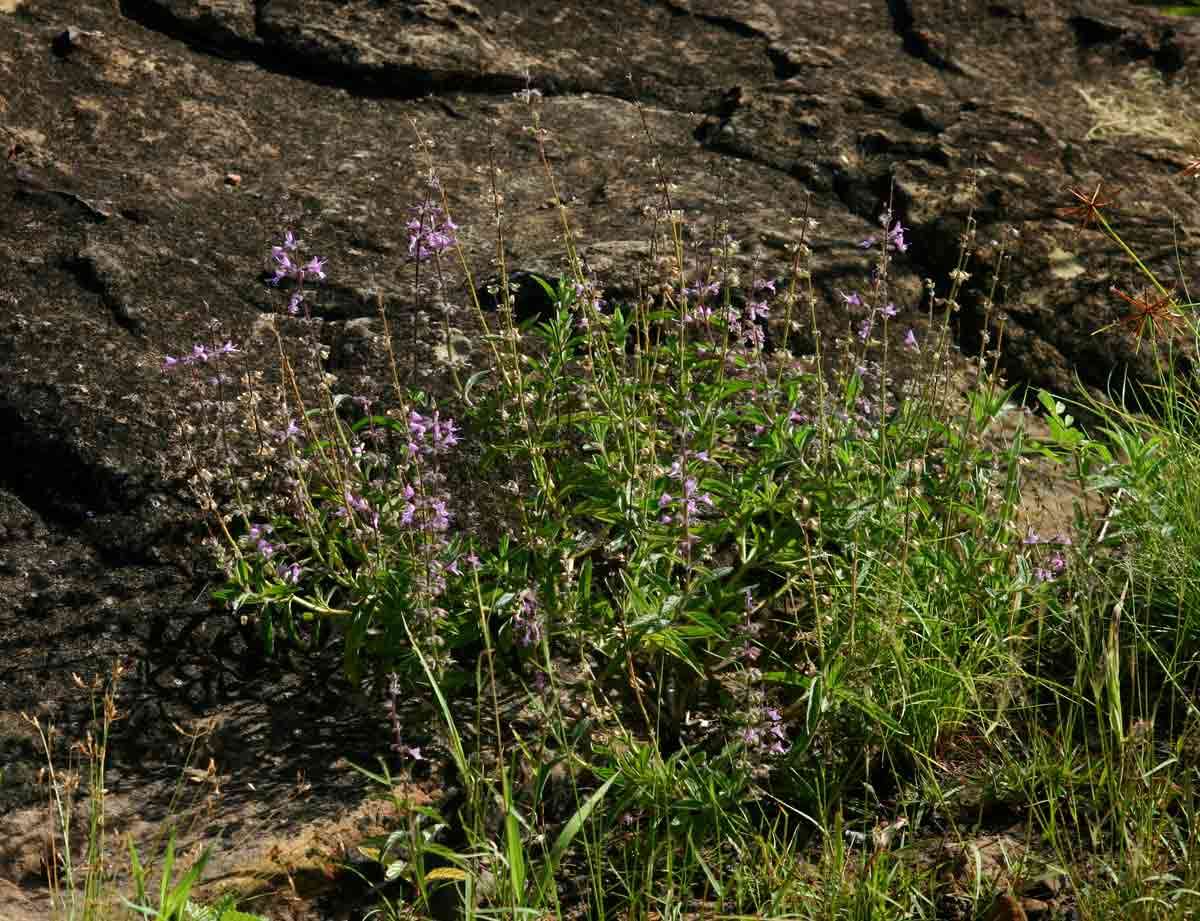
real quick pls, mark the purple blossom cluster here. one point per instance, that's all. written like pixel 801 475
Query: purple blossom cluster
pixel 893 235
pixel 286 266
pixel 682 510
pixel 527 620
pixel 431 580
pixel 200 355
pixel 694 296
pixel 767 734
pixel 866 325
pixel 588 300
pixel 259 541
pixel 289 265
pixel 429 435
pixel 687 504
pixel 289 432
pixel 424 512
pixel 430 231
pixel 358 509
pixel 1049 566
pixel 749 651
pixel 894 239
pixel 745 324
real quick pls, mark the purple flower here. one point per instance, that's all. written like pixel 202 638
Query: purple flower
pixel 444 433
pixel 1054 568
pixel 893 238
pixel 589 292
pixel 315 266
pixel 430 233
pixel 169 363
pixel 526 625
pixel 410 751
pixel 283 264
pixel 431 434
pixel 357 503
pixel 910 341
pixel 864 329
pixel 770 733
pixel 888 310
pixel 852 299
pixel 289 574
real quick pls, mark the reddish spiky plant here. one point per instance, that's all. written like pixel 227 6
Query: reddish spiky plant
pixel 1088 210
pixel 1157 310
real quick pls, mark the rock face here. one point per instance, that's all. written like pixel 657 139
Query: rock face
pixel 155 149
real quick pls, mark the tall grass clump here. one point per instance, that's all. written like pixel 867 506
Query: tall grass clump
pixel 84 861
pixel 713 611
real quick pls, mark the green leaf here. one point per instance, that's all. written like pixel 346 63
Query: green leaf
pixel 451 873
pixel 394 869
pixel 572 829
pixel 471 382
pixel 512 836
pixel 712 879
pixel 456 747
